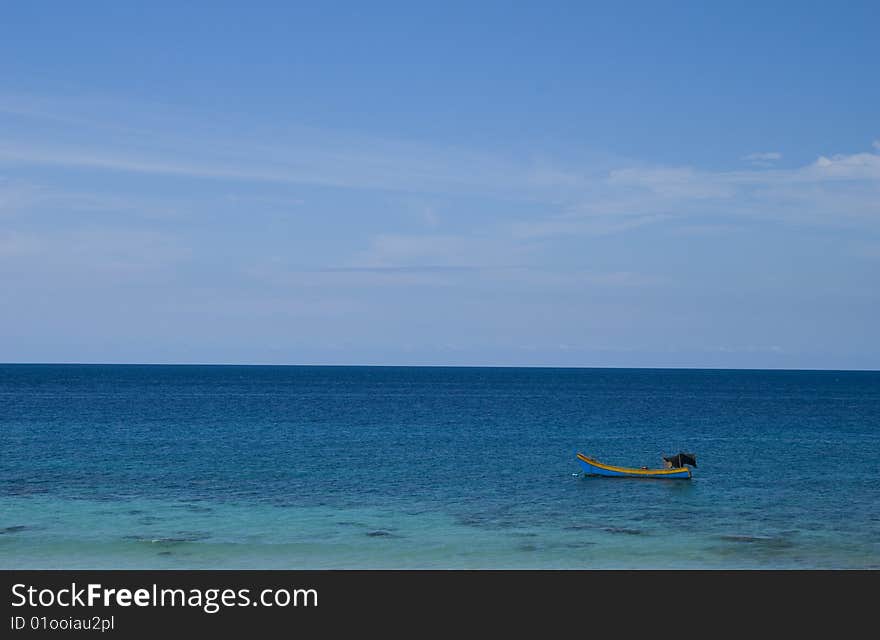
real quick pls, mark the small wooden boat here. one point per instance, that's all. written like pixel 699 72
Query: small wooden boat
pixel 595 468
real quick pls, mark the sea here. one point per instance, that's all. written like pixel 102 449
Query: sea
pixel 311 467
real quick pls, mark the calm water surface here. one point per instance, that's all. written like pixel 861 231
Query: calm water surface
pixel 418 467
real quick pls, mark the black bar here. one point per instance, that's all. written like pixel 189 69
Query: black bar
pixel 379 601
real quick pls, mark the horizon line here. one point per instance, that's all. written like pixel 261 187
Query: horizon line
pixel 425 366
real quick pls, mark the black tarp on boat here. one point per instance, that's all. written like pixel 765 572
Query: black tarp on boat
pixel 680 459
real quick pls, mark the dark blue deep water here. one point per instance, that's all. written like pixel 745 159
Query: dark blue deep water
pixel 301 467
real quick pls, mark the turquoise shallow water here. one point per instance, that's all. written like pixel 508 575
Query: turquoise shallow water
pixel 369 467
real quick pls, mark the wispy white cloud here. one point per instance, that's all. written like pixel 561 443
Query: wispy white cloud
pixel 763 158
pixel 582 225
pixel 98 159
pixel 857 166
pixel 843 189
pixel 545 174
pixel 672 182
pixel 80 113
pixel 448 276
pixel 764 155
pixel 554 200
pixel 405 170
pixel 113 253
pixel 78 134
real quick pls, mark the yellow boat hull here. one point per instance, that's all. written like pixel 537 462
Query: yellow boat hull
pixel 595 468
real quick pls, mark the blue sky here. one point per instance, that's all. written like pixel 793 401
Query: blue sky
pixel 571 184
